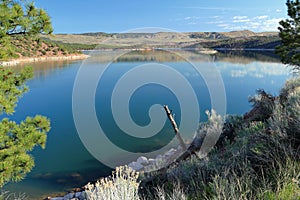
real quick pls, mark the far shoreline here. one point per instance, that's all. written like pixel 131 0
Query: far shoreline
pixel 18 61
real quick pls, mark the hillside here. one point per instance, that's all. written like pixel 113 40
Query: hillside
pixel 26 49
pixel 233 39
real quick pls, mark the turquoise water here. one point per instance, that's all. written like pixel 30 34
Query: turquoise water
pixel 66 163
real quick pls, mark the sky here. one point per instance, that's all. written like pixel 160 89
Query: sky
pixel 115 16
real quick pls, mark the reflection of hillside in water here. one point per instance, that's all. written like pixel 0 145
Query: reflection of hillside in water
pixel 44 69
pixel 236 58
pixel 241 57
pixel 246 57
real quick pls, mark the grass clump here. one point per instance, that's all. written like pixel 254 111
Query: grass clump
pixel 5 195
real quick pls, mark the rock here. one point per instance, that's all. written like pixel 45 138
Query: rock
pixel 179 149
pixel 171 152
pixel 159 157
pixel 136 166
pixel 77 194
pixel 69 196
pixel 58 198
pixel 143 160
pixel 151 161
pixel 82 196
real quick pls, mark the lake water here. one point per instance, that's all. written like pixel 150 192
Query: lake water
pixel 66 163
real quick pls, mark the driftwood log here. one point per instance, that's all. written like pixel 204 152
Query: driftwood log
pixel 174 125
pixel 192 149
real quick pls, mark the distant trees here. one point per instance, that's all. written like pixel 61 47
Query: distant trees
pixel 289 50
pixel 18 18
pixel 16 140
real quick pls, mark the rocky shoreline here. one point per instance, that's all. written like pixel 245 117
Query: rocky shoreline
pixel 18 61
pixel 142 164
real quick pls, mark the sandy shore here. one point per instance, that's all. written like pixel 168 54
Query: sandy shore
pixel 18 61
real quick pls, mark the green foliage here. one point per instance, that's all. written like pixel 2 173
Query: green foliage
pixel 16 140
pixel 12 87
pixel 19 18
pixel 23 18
pixel 70 47
pixel 289 50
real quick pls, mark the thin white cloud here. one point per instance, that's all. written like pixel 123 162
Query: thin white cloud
pixel 258 23
pixel 224 25
pixel 207 8
pixel 193 18
pixel 215 22
pixel 261 17
pixel 240 17
pixel 278 10
pixel 241 20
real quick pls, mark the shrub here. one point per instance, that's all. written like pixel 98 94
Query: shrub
pixel 122 185
pixel 176 194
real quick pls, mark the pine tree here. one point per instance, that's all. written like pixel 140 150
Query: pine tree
pixel 289 50
pixel 19 18
pixel 16 140
pixel 23 18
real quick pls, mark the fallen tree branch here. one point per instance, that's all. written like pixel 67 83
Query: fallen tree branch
pixel 176 130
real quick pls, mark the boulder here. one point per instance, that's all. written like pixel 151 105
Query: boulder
pixel 170 153
pixel 159 157
pixel 151 161
pixel 143 160
pixel 69 196
pixel 136 166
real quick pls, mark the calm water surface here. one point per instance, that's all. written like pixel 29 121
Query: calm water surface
pixel 65 163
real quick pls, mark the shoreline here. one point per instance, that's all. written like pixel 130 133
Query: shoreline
pixel 18 61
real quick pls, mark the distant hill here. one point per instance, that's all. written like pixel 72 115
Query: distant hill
pixel 228 35
pixel 234 39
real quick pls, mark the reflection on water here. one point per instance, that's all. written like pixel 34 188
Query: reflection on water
pixel 43 69
pixel 65 163
pixel 241 57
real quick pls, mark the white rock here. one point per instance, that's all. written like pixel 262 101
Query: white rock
pixel 136 166
pixel 151 161
pixel 142 160
pixel 170 153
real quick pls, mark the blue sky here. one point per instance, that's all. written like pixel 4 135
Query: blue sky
pixel 114 16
